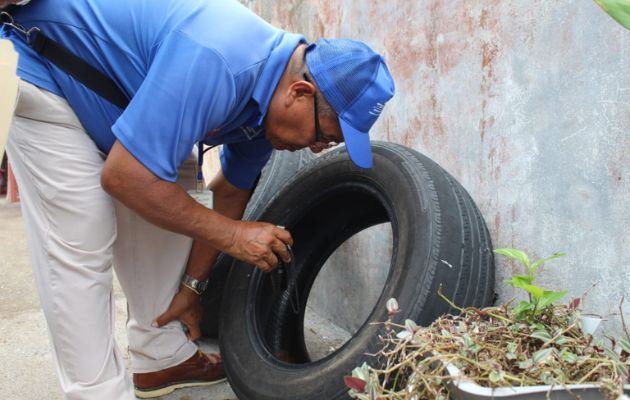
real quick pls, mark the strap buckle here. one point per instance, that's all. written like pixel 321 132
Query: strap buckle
pixel 7 19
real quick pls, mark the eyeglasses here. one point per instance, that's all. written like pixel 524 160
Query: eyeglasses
pixel 319 136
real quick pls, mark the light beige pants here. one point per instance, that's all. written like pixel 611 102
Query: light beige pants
pixel 75 231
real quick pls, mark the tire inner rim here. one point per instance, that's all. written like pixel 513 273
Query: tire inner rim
pixel 319 227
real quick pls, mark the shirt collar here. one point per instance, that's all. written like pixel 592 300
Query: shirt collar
pixel 273 69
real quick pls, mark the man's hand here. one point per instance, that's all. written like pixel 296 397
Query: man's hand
pixel 185 307
pixel 260 244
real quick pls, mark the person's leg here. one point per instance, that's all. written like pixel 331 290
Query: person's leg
pixel 149 263
pixel 70 229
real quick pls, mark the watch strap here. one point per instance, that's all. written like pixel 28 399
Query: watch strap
pixel 194 284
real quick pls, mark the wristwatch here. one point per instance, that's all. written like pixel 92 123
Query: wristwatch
pixel 193 284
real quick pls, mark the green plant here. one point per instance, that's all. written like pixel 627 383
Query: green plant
pixel 618 9
pixel 539 298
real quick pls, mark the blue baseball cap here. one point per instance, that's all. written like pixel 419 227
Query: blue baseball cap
pixel 356 83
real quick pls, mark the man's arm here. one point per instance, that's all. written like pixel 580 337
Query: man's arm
pixel 5 3
pixel 167 205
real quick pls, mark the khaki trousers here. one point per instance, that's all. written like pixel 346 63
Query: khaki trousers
pixel 76 232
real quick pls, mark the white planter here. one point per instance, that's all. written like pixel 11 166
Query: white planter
pixel 465 389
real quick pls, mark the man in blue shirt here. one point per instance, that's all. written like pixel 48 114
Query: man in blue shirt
pixel 104 186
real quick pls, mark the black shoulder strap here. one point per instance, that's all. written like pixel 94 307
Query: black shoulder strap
pixel 79 69
pixel 71 64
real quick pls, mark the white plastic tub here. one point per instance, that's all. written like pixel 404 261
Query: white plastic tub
pixel 465 389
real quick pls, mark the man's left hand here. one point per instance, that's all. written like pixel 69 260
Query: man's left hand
pixel 185 307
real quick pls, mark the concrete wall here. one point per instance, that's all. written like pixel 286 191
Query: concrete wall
pixel 526 102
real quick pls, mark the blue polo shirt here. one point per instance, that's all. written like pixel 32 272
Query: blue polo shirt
pixel 195 70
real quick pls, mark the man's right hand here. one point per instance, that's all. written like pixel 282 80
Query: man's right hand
pixel 261 244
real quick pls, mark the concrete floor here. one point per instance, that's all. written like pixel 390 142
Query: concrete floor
pixel 26 367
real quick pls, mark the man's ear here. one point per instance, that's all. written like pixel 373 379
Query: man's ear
pixel 301 88
pixel 297 91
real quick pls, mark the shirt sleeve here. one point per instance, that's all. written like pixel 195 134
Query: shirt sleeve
pixel 187 92
pixel 242 162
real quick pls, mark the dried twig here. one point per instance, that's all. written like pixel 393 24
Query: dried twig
pixel 623 321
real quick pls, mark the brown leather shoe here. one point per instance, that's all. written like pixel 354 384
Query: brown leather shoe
pixel 201 369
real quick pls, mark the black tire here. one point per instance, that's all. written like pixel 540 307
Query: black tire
pixel 434 222
pixel 281 167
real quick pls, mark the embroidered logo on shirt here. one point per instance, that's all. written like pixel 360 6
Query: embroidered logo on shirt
pixel 250 132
